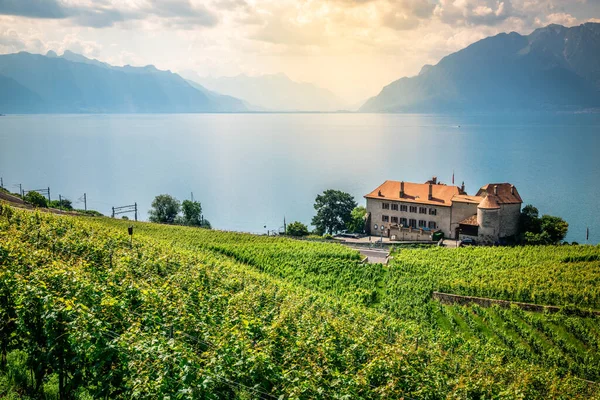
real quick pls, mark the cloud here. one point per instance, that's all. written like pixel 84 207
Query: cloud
pixel 103 13
pixel 561 19
pixel 33 8
pixel 474 12
pixel 406 14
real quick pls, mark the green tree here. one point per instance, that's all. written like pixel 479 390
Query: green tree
pixel 64 204
pixel 164 209
pixel 357 223
pixel 334 211
pixel 297 229
pixel 529 220
pixel 36 199
pixel 555 227
pixel 192 212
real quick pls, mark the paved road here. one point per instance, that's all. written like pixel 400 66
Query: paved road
pixel 374 255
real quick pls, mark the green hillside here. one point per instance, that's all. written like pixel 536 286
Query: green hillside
pixel 191 313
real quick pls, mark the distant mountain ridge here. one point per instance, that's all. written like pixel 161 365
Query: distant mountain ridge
pixel 72 83
pixel 554 69
pixel 275 92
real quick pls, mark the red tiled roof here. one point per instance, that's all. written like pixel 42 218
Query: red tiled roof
pixel 504 196
pixel 465 198
pixel 490 202
pixel 472 220
pixel 415 193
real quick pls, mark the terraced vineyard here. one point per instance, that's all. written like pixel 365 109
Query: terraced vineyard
pixel 189 313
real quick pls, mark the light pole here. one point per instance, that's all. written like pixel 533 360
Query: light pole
pixel 381 239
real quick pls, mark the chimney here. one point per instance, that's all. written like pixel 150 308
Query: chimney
pixel 496 190
pixel 379 194
pixel 430 196
pixel 462 188
pixel 512 189
pixel 402 189
pixel 434 180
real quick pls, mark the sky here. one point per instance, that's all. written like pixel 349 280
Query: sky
pixel 352 47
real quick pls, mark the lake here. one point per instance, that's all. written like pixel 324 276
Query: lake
pixel 252 170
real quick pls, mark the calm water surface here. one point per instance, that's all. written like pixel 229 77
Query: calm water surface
pixel 251 170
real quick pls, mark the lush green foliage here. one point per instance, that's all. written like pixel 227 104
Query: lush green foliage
pixel 297 228
pixel 192 213
pixel 334 211
pixel 539 231
pixel 357 221
pixel 190 313
pixel 36 199
pixel 164 209
pixel 63 204
pixel 91 213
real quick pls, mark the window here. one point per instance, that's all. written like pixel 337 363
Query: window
pixel 394 220
pixel 403 222
pixel 403 207
pixel 385 206
pixel 375 226
pixel 422 224
pixel 385 218
pixel 432 211
pixel 422 210
pixel 413 209
pixel 412 223
pixel 432 225
pixel 395 207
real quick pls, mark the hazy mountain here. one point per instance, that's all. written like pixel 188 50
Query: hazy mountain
pixel 553 68
pixel 272 92
pixel 225 102
pixel 72 83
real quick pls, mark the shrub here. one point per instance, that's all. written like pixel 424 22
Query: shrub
pixel 297 229
pixel 36 199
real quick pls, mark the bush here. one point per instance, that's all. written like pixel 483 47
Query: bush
pixel 36 199
pixel 297 229
pixel 63 204
pixel 90 213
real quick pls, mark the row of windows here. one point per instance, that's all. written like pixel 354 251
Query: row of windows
pixel 410 222
pixel 404 207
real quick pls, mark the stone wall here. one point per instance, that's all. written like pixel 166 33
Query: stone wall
pixel 449 299
pixel 460 212
pixel 509 219
pixel 489 225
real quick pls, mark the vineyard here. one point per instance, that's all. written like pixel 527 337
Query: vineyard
pixel 189 313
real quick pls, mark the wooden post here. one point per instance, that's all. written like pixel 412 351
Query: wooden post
pixel 113 212
pixel 135 204
pixel 84 202
pixel 48 193
pixel 59 201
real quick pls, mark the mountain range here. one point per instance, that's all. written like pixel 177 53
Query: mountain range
pixel 274 92
pixel 553 69
pixel 72 83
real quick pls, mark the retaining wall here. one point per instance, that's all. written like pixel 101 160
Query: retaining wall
pixel 448 298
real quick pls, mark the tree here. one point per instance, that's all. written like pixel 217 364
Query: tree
pixel 538 231
pixel 555 227
pixel 192 212
pixel 297 229
pixel 357 223
pixel 164 209
pixel 64 204
pixel 529 220
pixel 334 211
pixel 36 199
